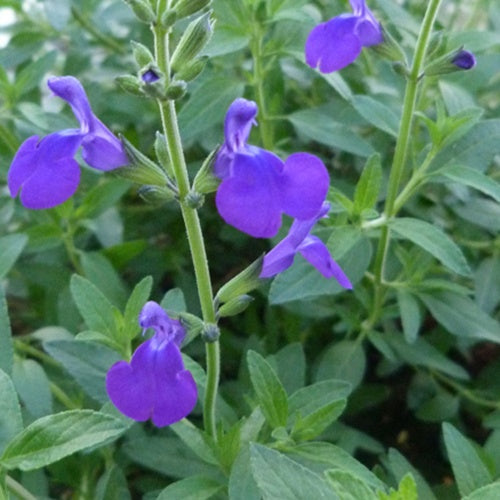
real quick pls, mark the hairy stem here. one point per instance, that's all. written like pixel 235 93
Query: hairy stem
pixel 401 150
pixel 265 125
pixel 18 489
pixel 193 230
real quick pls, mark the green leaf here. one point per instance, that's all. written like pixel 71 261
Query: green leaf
pixel 135 303
pixel 472 178
pixel 315 407
pixel 11 421
pixel 112 485
pixel 407 490
pixel 174 301
pixel 277 476
pixel 488 284
pixel 11 247
pixel 475 150
pixel 291 366
pixel 330 456
pixel 489 492
pixel 226 40
pixel 191 488
pixel 207 104
pixel 101 273
pixel 179 462
pixel 101 197
pixel 469 470
pixel 31 75
pixel 323 129
pixel 368 187
pixel 6 347
pixel 421 353
pixel 461 316
pixel 432 240
pixel 195 439
pixel 270 393
pixel 242 485
pixel 410 315
pixel 51 438
pixel 400 467
pixel 376 113
pixel 86 362
pixel 343 360
pixel 348 486
pixel 99 314
pixel 33 387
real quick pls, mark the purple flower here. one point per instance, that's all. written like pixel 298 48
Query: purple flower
pixel 310 247
pixel 464 60
pixel 338 42
pixel 258 187
pixel 155 383
pixel 45 170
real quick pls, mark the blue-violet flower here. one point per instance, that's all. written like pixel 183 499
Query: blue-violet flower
pixel 299 240
pixel 155 383
pixel 337 43
pixel 258 187
pixel 45 170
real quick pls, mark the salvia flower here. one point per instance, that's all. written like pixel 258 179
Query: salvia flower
pixel 299 240
pixel 257 186
pixel 155 384
pixel 45 170
pixel 337 43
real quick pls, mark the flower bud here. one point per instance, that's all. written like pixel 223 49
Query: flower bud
pixel 156 195
pixel 130 84
pixel 176 90
pixel 162 154
pixel 205 181
pixel 192 324
pixel 168 18
pixel 234 306
pixel 153 83
pixel 192 41
pixel 142 54
pixel 142 10
pixel 194 200
pixel 210 332
pixel 192 69
pixel 141 169
pixel 244 282
pixel 389 48
pixel 456 60
pixel 185 8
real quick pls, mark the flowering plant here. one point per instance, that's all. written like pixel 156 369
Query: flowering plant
pixel 263 259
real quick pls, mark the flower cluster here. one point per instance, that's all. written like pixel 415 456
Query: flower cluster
pixel 258 187
pixel 155 383
pixel 45 170
pixel 337 43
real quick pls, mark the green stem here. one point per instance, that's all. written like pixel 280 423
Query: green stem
pixel 466 393
pixel 193 229
pixel 265 125
pixel 401 151
pixel 18 489
pixel 101 37
pixel 415 182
